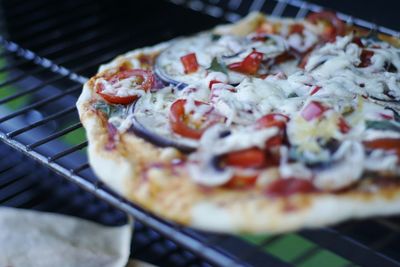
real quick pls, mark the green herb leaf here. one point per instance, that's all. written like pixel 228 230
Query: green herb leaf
pixel 110 110
pixel 383 125
pixel 102 106
pixel 215 37
pixel 395 114
pixel 217 66
pixel 373 35
pixel 347 111
pixel 292 94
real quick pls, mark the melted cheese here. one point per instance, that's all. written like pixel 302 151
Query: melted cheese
pixel 333 67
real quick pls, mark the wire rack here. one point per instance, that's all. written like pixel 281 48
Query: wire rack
pixel 44 191
pixel 47 51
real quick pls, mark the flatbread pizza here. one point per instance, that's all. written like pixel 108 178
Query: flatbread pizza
pixel 265 125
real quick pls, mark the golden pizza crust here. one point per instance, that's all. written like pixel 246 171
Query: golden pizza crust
pixel 142 172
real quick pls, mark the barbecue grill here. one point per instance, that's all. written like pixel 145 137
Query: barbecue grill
pixel 47 51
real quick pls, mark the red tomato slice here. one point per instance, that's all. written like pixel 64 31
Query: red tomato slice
pixel 114 99
pixel 145 78
pixel 304 60
pixel 289 186
pixel 267 28
pixel 189 62
pixel 313 110
pixel 385 144
pixel 386 116
pixel 315 90
pixel 357 41
pixel 212 82
pixel 334 26
pixel 275 140
pixel 249 65
pixel 343 126
pixel 272 120
pixel 365 58
pixel 238 181
pixel 248 158
pixel 284 57
pixel 178 118
pixel 296 28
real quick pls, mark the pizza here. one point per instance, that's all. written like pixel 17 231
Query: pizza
pixel 264 125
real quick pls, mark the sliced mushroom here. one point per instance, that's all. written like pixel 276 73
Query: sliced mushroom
pixel 347 167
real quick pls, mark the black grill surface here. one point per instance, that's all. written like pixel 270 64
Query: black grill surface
pixel 47 51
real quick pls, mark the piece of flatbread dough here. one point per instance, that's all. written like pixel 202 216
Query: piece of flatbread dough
pixel 40 239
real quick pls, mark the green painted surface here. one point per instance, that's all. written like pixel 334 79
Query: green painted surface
pixel 290 247
pixel 326 259
pixel 8 90
pixel 75 137
pixel 255 239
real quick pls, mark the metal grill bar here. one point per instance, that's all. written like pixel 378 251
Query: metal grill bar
pixel 17 186
pixel 68 151
pixel 91 27
pixel 45 63
pixel 44 28
pixel 20 77
pixel 42 122
pixel 186 241
pixel 52 193
pixel 306 255
pixel 104 45
pixel 48 40
pixel 52 13
pixel 185 237
pixel 4 53
pixel 37 104
pixel 65 60
pixel 349 248
pixel 279 8
pixel 80 168
pixel 55 135
pixel 21 10
pixel 30 90
pixel 303 10
pixel 48 50
pixel 12 66
pixel 6 169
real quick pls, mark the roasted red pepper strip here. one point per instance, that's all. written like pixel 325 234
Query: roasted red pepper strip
pixel 289 186
pixel 248 158
pixel 365 58
pixel 212 82
pixel 313 110
pixel 249 65
pixel 343 126
pixel 333 25
pixel 238 181
pixel 296 28
pixel 189 62
pixel 391 144
pixel 145 82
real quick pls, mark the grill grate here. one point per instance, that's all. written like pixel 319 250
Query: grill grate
pixel 43 191
pixel 43 63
